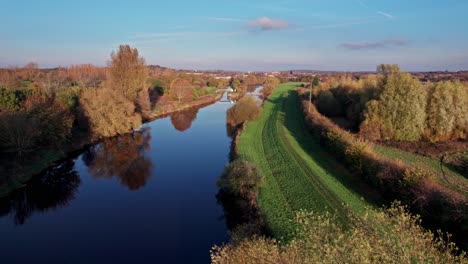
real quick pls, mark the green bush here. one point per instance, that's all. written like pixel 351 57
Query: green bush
pixel 13 99
pixel 160 87
pixel 240 177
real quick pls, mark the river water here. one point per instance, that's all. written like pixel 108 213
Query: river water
pixel 149 197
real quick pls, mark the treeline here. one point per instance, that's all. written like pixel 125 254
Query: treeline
pixel 245 84
pixel 50 107
pixel 394 105
pixel 439 206
pixel 45 108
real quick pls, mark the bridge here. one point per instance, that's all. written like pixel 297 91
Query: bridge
pixel 228 90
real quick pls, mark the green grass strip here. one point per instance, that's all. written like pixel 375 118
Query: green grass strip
pixel 299 173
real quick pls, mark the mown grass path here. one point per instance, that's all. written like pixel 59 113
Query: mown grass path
pixel 299 173
pixel 445 174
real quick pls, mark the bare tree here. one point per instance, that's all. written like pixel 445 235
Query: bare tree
pixel 181 90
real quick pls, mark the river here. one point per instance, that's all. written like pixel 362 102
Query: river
pixel 148 197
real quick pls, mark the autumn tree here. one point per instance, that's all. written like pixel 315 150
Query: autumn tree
pixel 400 111
pixel 5 78
pixel 181 90
pixel 41 121
pixel 30 71
pixel 386 69
pixel 235 83
pixel 106 113
pixel 54 79
pixel 447 111
pixel 86 75
pixel 270 84
pixel 222 84
pixel 54 119
pixel 198 82
pixel 128 73
pixel 246 109
pixel 212 82
pixel 251 80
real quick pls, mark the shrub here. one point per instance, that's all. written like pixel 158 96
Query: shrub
pixel 55 120
pixel 356 155
pixel 240 177
pixel 390 236
pixel 69 98
pixel 246 109
pixel 13 99
pixel 108 113
pixel 18 132
pixel 159 87
pixel 415 176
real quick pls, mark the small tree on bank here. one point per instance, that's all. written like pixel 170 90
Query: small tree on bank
pixel 246 109
pixel 181 90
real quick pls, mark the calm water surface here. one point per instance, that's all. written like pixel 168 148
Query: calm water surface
pixel 149 197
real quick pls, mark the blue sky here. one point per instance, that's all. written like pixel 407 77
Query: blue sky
pixel 241 34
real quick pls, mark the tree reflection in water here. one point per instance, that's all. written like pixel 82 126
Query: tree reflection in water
pixel 122 157
pixel 183 120
pixel 54 189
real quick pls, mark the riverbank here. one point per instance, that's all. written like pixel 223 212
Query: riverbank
pixel 172 107
pixel 299 173
pixel 15 174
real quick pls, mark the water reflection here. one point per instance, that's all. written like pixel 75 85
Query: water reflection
pixel 54 189
pixel 122 157
pixel 183 120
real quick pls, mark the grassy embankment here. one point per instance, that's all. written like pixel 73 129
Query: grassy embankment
pixel 299 173
pixel 445 174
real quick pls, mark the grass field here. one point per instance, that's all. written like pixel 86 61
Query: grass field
pixel 447 175
pixel 299 173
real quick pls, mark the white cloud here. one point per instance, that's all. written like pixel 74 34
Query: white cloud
pixel 375 45
pixel 266 23
pixel 387 15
